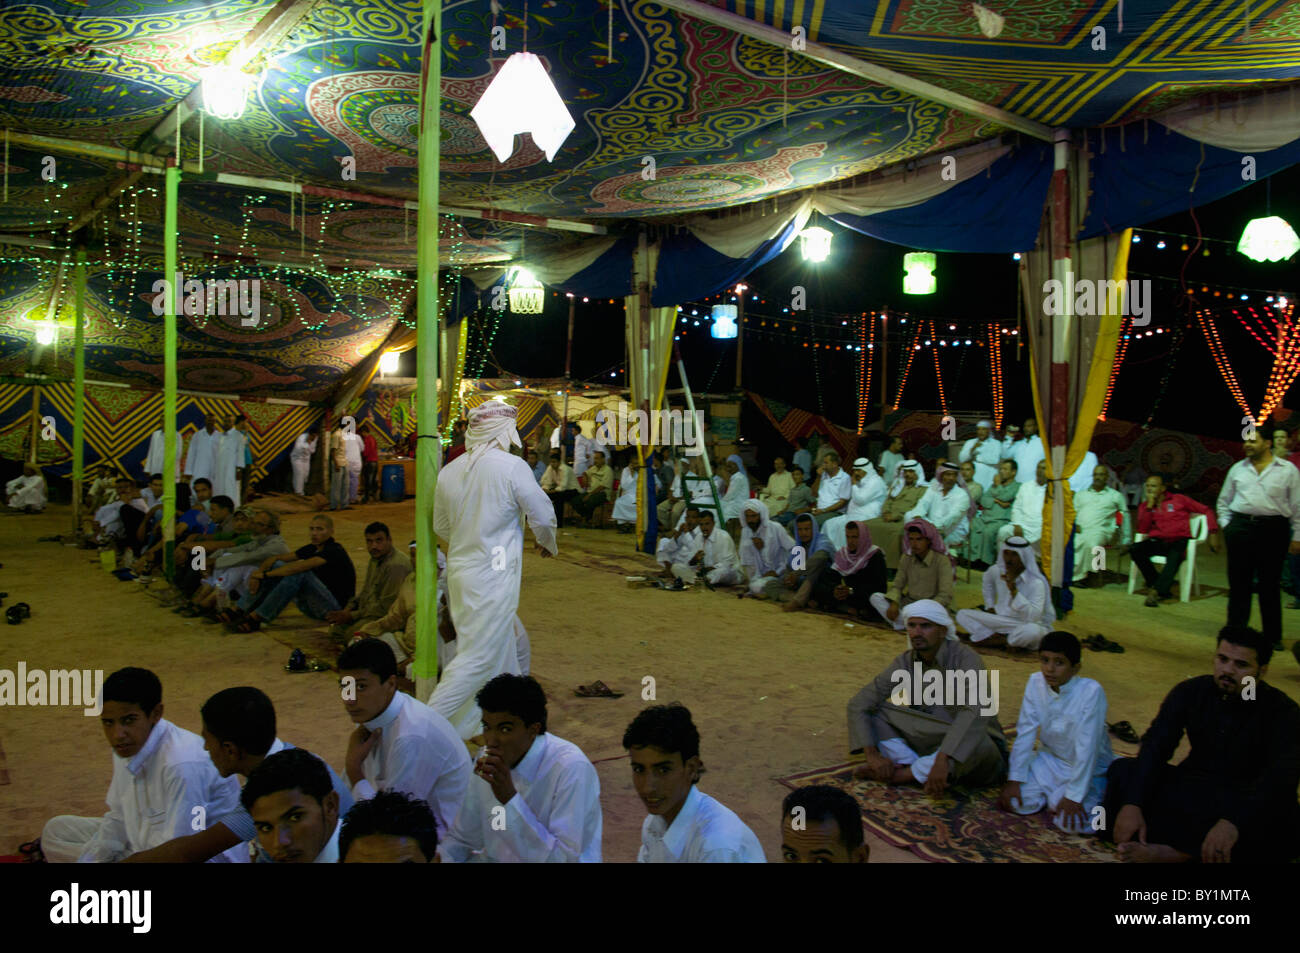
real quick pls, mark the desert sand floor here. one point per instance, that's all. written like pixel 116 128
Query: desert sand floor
pixel 768 689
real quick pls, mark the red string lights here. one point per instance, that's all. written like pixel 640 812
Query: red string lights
pixel 995 373
pixel 1121 349
pixel 866 347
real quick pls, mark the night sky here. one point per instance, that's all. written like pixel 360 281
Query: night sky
pixel 1169 378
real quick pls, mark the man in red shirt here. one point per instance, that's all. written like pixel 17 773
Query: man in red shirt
pixel 1165 519
pixel 369 467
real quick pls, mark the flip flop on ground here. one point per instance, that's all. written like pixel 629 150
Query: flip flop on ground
pixel 596 689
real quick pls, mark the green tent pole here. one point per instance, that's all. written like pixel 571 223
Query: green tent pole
pixel 79 393
pixel 428 446
pixel 170 450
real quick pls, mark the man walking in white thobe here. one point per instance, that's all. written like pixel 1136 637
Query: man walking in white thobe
pixel 352 448
pixel 1099 513
pixel 481 499
pixel 300 458
pixel 984 451
pixel 1018 607
pixel 201 456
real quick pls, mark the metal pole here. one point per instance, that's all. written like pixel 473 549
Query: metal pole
pixel 428 446
pixel 740 333
pixel 170 450
pixel 884 366
pixel 79 392
pixel 568 374
pixel 1055 426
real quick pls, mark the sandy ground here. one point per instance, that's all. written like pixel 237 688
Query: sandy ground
pixel 767 689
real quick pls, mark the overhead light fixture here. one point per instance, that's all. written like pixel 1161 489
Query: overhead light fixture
pixel 522 98
pixel 724 321
pixel 46 332
pixel 815 243
pixel 990 23
pixel 919 278
pixel 388 362
pixel 527 295
pixel 225 91
pixel 1268 239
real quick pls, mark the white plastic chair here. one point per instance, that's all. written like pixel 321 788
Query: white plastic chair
pixel 1187 581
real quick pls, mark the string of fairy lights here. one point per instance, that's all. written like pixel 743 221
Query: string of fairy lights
pixel 1283 342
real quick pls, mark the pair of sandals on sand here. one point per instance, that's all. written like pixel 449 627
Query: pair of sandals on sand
pixel 1099 643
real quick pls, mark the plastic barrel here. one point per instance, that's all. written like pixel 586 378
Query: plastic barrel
pixel 393 483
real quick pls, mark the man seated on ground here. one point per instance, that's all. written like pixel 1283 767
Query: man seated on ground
pixel 399 744
pixel 190 522
pixel 27 492
pixel 801 499
pixel 102 488
pixel 233 566
pixel 834 488
pixel 822 825
pixel 546 785
pixel 160 775
pixel 995 512
pixel 221 521
pixel 1027 510
pixel 239 734
pixel 560 484
pixel 114 524
pixel 678 546
pixel 320 579
pixel 925 571
pixel 776 494
pixel 931 744
pixel 1233 798
pixel 624 512
pixel 389 828
pixel 384 576
pixel 1018 608
pixel 201 490
pixel 599 479
pixel 397 627
pixel 946 505
pixel 1165 518
pixel 716 561
pixel 1066 714
pixel 1099 513
pixel 685 826
pixel 811 554
pixel 294 808
pixel 765 548
pixel 736 496
pixel 855 574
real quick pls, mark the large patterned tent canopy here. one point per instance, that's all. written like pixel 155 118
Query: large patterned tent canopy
pixel 729 117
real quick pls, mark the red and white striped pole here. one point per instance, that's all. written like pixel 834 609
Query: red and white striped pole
pixel 1057 424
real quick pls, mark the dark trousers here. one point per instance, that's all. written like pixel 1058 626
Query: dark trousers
pixel 558 500
pixel 1174 551
pixel 1256 548
pixel 584 506
pixel 370 480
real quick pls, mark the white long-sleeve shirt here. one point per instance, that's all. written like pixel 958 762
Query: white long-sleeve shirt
pixel 1081 478
pixel 719 550
pixel 1027 510
pixel 557 480
pixel 1031 600
pixel 303 447
pixel 1026 453
pixel 866 498
pixel 946 511
pixel 985 456
pixel 153 461
pixel 703 832
pixel 775 554
pixel 554 816
pixel 201 455
pixel 681 549
pixel 737 495
pixel 1070 724
pixel 153 797
pixel 26 491
pixel 889 462
pixel 420 754
pixel 1275 492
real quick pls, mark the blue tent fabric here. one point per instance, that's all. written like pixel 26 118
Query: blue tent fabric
pixel 690 269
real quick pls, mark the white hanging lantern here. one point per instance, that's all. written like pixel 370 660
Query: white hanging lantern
pixel 522 98
pixel 1268 239
pixel 815 243
pixel 225 91
pixel 526 293
pixel 724 321
pixel 990 23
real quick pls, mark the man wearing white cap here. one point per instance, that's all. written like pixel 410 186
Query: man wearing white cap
pixel 908 736
pixel 866 499
pixel 482 497
pixel 1017 598
pixel 983 451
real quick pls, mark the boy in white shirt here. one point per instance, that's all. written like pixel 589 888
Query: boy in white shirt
pixel 161 774
pixel 685 826
pixel 536 797
pixel 1067 716
pixel 295 808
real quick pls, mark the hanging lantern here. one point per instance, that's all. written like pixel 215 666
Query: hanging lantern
pixel 225 91
pixel 522 98
pixel 815 243
pixel 724 321
pixel 527 295
pixel 990 23
pixel 388 362
pixel 919 278
pixel 1268 239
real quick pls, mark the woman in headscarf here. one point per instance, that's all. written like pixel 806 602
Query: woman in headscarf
pixel 866 499
pixel 1018 608
pixel 905 492
pixel 946 505
pixel 857 571
pixel 811 555
pixel 765 548
pixel 995 513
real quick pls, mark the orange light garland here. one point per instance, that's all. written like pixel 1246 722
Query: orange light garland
pixel 866 345
pixel 1120 350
